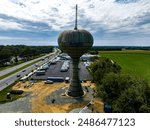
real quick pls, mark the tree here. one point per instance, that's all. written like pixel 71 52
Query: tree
pixel 125 93
pixel 129 101
pixel 101 67
pixel 5 56
pixel 112 86
pixel 94 58
pixel 25 52
pixel 15 51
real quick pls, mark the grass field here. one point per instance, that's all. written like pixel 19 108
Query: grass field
pixel 4 92
pixel 135 62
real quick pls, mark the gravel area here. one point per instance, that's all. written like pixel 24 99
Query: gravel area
pixel 60 99
pixel 22 105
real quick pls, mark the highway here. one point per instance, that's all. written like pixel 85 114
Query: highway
pixel 12 78
pixel 6 71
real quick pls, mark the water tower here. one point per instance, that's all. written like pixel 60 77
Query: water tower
pixel 75 43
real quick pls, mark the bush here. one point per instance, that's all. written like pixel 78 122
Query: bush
pixel 112 86
pixel 94 58
pixel 125 93
pixel 101 67
pixel 129 101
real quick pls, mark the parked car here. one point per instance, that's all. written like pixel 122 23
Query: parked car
pixel 48 82
pixel 67 80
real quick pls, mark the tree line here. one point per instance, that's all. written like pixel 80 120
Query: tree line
pixel 123 92
pixel 119 48
pixel 22 51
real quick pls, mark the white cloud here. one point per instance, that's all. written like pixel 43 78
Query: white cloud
pixel 7 25
pixel 114 15
pixel 58 14
pixel 12 38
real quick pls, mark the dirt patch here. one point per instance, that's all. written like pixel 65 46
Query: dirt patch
pixel 40 90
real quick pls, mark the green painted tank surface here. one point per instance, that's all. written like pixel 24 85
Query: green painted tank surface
pixel 75 42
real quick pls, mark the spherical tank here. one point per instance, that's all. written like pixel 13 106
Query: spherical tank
pixel 75 42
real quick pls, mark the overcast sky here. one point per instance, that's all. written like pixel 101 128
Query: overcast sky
pixel 111 22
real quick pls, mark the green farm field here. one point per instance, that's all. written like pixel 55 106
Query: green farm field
pixel 134 62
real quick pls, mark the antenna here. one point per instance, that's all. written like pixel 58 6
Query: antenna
pixel 75 28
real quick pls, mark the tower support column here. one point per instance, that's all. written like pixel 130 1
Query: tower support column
pixel 75 88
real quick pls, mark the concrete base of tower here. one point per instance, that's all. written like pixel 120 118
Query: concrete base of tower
pixel 75 94
pixel 75 89
pixel 61 96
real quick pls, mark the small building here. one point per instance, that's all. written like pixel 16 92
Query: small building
pixel 40 72
pixel 86 57
pixel 56 79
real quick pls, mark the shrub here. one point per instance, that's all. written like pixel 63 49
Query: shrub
pixel 125 93
pixel 101 67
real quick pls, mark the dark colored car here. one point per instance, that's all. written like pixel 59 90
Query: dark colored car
pixel 18 75
pixel 23 70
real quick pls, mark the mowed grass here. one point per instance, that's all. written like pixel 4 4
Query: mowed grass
pixel 134 62
pixel 4 92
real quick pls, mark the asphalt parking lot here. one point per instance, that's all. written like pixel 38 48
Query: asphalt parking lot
pixel 54 71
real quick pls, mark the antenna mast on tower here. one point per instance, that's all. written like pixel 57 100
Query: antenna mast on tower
pixel 75 28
